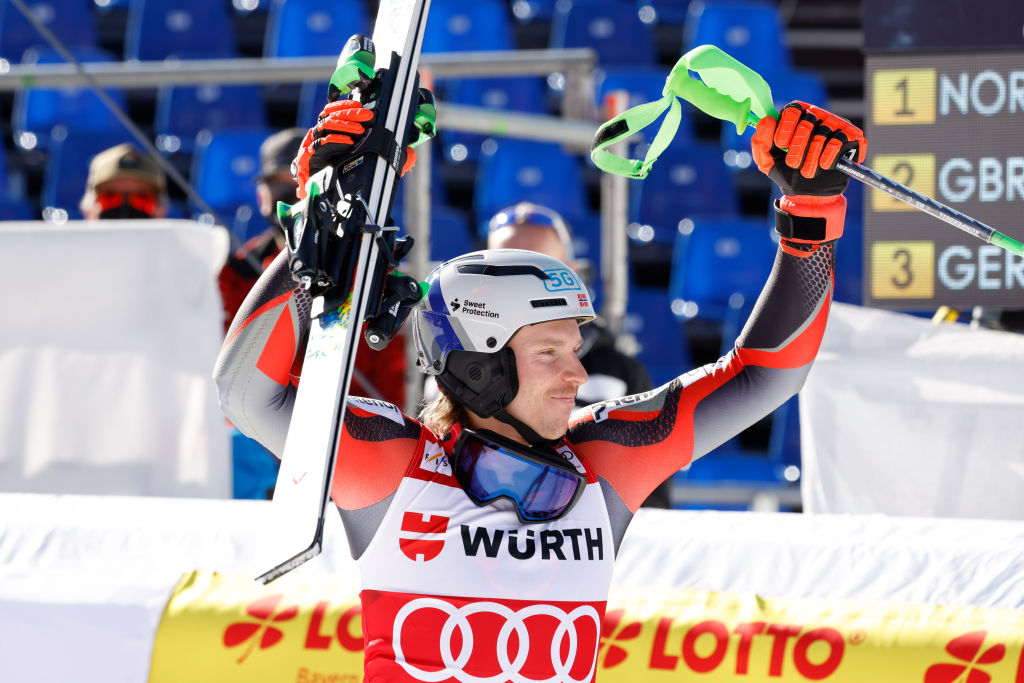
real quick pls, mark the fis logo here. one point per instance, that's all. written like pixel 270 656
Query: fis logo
pixel 422 536
pixel 435 460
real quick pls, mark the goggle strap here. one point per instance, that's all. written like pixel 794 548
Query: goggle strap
pixel 631 121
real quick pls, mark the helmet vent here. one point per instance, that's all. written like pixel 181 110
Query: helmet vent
pixel 500 271
pixel 545 303
pixel 474 372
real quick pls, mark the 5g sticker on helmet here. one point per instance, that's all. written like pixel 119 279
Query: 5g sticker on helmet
pixel 560 280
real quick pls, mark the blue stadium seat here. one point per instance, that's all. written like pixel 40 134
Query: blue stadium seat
pixel 312 98
pixel 13 209
pixel 612 29
pixel 664 350
pixel 511 171
pixel 671 12
pixel 70 21
pixel 461 25
pixel 224 170
pixel 300 28
pixel 725 466
pixel 244 7
pixel 525 11
pixel 520 94
pixel 4 177
pixel 784 443
pixel 850 249
pixel 438 194
pixel 689 181
pixel 586 242
pixel 67 166
pixel 253 468
pixel 186 29
pixel 37 111
pixel 718 265
pixel 450 233
pixel 183 111
pixel 749 30
pixel 787 85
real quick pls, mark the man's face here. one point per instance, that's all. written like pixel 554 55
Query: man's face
pixel 549 375
pixel 272 189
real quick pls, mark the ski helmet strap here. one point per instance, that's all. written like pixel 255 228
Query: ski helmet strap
pixel 483 382
pixel 486 383
pixel 532 437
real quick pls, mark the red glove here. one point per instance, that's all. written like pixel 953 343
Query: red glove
pixel 799 152
pixel 330 140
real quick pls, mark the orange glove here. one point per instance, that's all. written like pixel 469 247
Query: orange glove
pixel 337 129
pixel 799 152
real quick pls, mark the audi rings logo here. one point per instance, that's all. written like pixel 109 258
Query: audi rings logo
pixel 512 621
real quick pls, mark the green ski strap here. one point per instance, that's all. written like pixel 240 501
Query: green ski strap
pixel 724 88
pixel 629 122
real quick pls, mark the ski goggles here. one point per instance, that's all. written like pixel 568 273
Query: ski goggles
pixel 489 466
pixel 143 201
pixel 534 215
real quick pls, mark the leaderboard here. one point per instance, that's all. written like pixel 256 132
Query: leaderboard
pixel 951 127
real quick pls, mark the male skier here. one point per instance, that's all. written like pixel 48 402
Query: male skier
pixel 485 530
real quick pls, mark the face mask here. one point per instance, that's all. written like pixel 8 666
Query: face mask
pixel 542 485
pixel 130 205
pixel 124 211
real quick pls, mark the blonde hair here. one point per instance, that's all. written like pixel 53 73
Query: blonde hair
pixel 441 414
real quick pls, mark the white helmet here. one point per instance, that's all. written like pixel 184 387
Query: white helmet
pixel 475 304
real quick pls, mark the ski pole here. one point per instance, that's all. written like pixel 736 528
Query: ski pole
pixel 729 90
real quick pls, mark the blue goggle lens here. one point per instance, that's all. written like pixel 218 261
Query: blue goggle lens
pixel 541 492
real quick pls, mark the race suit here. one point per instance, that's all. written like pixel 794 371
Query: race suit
pixel 453 591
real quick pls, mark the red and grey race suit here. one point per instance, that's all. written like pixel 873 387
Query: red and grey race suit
pixel 453 591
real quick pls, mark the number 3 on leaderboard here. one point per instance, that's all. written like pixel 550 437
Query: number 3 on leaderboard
pixel 903 270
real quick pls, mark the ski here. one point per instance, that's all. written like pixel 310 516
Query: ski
pixel 345 210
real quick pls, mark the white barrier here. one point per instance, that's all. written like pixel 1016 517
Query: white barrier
pixel 83 580
pixel 110 332
pixel 901 416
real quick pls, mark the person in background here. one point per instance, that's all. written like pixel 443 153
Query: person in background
pixel 379 374
pixel 274 184
pixel 610 372
pixel 124 183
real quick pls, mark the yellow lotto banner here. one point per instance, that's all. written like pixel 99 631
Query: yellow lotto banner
pixel 229 628
pixel 675 634
pixel 224 628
